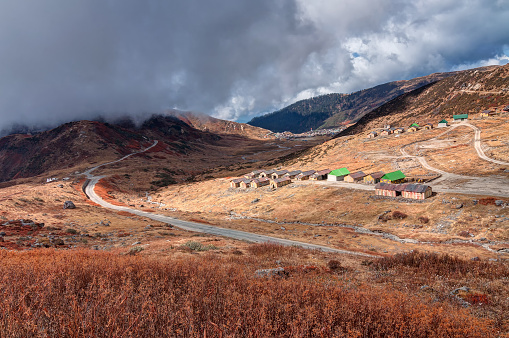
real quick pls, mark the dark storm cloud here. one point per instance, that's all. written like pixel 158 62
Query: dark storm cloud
pixel 68 59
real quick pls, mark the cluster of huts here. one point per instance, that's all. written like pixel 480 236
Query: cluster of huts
pixel 276 178
pixel 387 184
pixel 388 130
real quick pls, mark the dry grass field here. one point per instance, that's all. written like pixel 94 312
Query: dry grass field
pixel 90 293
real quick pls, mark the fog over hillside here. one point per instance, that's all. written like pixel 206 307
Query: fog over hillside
pixel 65 60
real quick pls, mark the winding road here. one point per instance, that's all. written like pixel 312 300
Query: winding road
pixel 193 226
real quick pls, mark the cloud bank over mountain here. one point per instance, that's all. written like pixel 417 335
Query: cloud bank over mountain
pixel 67 59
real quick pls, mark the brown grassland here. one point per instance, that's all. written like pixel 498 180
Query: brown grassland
pixel 89 293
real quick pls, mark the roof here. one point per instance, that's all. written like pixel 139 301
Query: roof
pixel 237 180
pixel 390 186
pixel 322 172
pixel 377 174
pixel 460 116
pixel 414 125
pixel 256 172
pixel 358 174
pixel 420 188
pixel 293 173
pixel 340 172
pixel 260 180
pixel 307 173
pixel 394 176
pixel 443 121
pixel 282 179
pixel 280 172
pixel 506 108
pixel 268 172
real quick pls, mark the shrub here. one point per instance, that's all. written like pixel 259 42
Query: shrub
pixel 423 219
pixel 334 264
pixel 197 246
pixel 399 215
pixel 135 250
pixel 71 231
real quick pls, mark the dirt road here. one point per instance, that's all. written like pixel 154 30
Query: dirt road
pixel 199 227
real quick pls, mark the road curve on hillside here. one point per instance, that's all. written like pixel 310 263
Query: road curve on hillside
pixel 477 145
pixel 198 227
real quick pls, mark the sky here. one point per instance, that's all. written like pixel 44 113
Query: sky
pixel 62 60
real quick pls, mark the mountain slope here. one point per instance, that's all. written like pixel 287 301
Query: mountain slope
pixel 338 109
pixel 84 142
pixel 469 91
pixel 217 126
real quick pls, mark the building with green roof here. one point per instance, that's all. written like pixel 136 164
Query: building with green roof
pixel 393 177
pixel 338 174
pixel 443 124
pixel 414 125
pixel 460 117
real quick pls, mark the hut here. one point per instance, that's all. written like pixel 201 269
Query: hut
pixel 320 175
pixel 280 182
pixel 338 174
pixel 506 108
pixel 443 124
pixel 373 178
pixel 305 175
pixel 266 173
pixel 393 177
pixel 460 117
pixel 416 191
pixel 428 126
pixel 278 174
pixel 388 189
pixel 246 183
pixel 355 177
pixel 235 183
pixel 260 182
pixel 399 130
pixel 292 174
pixel 373 134
pixel 385 132
pixel 415 125
pixel 249 175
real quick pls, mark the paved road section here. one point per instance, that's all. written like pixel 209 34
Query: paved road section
pixel 199 227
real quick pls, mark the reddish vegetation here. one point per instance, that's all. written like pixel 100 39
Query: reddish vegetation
pixel 124 213
pixel 487 201
pixel 89 293
pixel 102 189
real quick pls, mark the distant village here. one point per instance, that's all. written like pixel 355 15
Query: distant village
pixel 312 133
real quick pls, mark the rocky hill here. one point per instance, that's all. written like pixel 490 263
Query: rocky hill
pixel 217 126
pixel 84 142
pixel 333 110
pixel 470 91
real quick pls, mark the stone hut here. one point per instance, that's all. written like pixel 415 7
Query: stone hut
pixel 260 182
pixel 292 174
pixel 320 175
pixel 417 191
pixel 280 182
pixel 355 177
pixel 338 174
pixel 305 175
pixel 374 178
pixel 278 174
